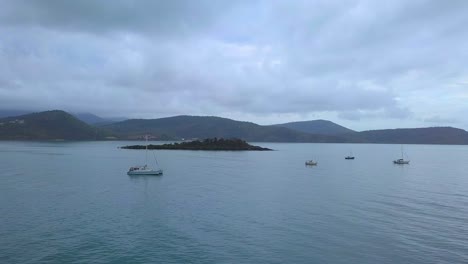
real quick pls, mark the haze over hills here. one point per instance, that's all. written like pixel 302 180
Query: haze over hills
pixel 13 112
pixel 93 119
pixel 60 125
pixel 89 118
pixel 324 127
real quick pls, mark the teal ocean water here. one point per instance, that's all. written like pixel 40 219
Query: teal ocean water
pixel 74 203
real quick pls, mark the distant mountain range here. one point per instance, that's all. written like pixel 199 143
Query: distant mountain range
pixel 188 127
pixel 429 135
pixel 60 125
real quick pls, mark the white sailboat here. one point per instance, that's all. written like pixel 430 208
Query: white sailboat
pixel 350 157
pixel 311 163
pixel 402 160
pixel 145 170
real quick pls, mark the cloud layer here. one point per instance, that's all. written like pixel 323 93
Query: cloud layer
pixel 366 64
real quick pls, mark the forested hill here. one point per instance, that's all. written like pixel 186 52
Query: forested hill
pixel 60 125
pixel 211 127
pixel 429 135
pixel 48 125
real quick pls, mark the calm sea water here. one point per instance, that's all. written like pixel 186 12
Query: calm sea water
pixel 74 203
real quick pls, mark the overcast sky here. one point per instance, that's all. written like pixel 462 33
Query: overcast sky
pixel 362 64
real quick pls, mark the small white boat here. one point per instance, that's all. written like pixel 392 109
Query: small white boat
pixel 144 170
pixel 350 156
pixel 402 160
pixel 311 163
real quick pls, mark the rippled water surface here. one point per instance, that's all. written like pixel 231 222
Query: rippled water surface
pixel 74 203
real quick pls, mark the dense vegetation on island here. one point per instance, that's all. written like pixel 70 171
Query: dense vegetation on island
pixel 207 144
pixel 60 125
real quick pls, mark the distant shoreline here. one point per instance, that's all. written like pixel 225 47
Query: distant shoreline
pixel 256 141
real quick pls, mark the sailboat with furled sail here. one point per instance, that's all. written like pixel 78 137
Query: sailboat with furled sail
pixel 350 156
pixel 402 160
pixel 145 170
pixel 311 163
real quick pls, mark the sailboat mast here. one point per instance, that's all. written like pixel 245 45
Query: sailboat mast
pixel 146 152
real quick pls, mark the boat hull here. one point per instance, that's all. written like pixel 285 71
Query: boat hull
pixel 145 172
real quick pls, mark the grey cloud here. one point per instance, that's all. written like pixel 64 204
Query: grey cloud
pixel 383 113
pixel 160 17
pixel 361 60
pixel 440 120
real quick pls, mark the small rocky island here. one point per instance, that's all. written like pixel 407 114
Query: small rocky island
pixel 207 144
